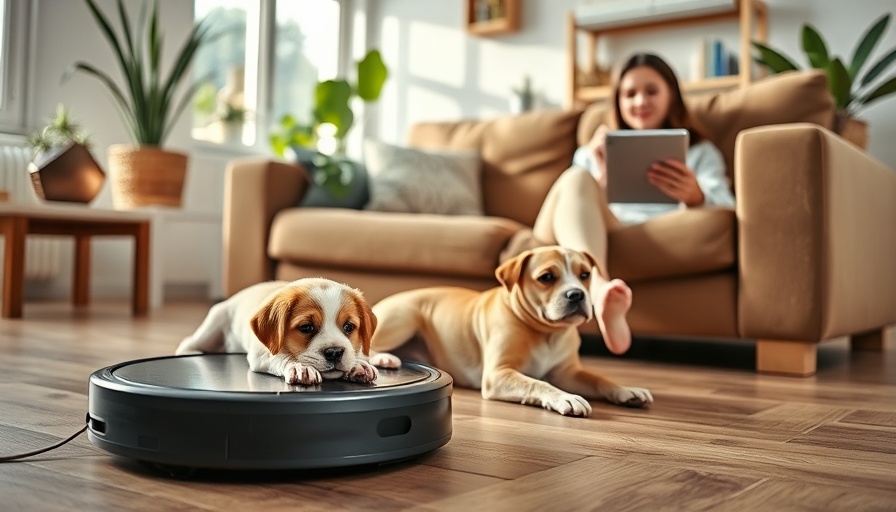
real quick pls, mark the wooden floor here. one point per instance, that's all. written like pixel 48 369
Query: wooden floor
pixel 718 436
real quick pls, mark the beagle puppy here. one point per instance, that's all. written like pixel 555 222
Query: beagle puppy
pixel 304 331
pixel 517 342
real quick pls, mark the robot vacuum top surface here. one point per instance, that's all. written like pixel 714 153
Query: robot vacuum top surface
pixel 230 374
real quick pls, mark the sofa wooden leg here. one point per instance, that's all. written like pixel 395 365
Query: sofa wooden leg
pixel 796 358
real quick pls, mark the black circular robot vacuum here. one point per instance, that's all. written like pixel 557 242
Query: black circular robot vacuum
pixel 211 411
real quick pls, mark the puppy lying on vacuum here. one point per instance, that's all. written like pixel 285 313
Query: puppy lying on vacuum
pixel 507 339
pixel 303 331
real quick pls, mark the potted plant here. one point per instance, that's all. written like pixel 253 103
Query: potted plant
pixel 62 168
pixel 852 90
pixel 144 173
pixel 320 145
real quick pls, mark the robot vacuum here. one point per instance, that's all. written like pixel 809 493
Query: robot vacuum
pixel 211 411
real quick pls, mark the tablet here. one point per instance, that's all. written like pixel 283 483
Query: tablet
pixel 630 153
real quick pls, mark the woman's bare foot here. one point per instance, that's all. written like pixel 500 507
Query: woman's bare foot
pixel 612 301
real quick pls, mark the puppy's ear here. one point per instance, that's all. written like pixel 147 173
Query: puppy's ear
pixel 594 263
pixel 510 272
pixel 368 322
pixel 270 323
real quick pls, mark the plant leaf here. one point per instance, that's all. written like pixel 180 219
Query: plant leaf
pixel 840 83
pixel 331 105
pixel 775 61
pixel 885 89
pixel 124 108
pixel 879 67
pixel 867 44
pixel 372 74
pixel 815 49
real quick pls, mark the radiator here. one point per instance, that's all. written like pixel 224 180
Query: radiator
pixel 42 254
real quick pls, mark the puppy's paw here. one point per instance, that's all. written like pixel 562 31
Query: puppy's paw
pixel 302 375
pixel 569 405
pixel 385 360
pixel 631 397
pixel 363 372
pixel 186 348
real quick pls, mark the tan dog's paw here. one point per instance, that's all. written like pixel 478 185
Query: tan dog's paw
pixel 569 405
pixel 631 397
pixel 302 375
pixel 363 372
pixel 385 360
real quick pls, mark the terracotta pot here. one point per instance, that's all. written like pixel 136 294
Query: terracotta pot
pixel 854 130
pixel 67 173
pixel 146 176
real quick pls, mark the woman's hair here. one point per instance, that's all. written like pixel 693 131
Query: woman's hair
pixel 678 115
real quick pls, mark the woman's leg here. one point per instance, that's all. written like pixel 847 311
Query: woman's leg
pixel 575 215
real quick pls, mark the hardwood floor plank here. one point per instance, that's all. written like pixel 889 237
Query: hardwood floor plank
pixel 787 494
pixel 611 485
pixel 847 436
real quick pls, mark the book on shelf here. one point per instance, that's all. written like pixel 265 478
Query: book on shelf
pixel 718 59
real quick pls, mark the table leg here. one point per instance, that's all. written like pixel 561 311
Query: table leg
pixel 81 292
pixel 140 300
pixel 14 229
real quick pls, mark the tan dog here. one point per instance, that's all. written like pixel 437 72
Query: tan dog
pixel 304 331
pixel 507 339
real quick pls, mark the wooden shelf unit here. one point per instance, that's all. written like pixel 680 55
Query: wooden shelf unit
pixel 506 24
pixel 752 14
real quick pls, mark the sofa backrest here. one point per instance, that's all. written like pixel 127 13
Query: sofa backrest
pixel 521 155
pixel 792 97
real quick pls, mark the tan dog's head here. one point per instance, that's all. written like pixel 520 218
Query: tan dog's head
pixel 550 284
pixel 317 322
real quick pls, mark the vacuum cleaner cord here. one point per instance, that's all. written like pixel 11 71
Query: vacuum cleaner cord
pixel 10 458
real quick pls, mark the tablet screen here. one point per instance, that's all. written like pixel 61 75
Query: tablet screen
pixel 630 153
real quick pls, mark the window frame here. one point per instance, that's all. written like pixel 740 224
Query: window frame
pixel 18 41
pixel 265 22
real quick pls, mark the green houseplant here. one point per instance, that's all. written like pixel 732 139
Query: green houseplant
pixel 852 89
pixel 145 174
pixel 332 118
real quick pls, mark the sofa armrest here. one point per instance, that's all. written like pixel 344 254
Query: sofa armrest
pixel 816 235
pixel 254 191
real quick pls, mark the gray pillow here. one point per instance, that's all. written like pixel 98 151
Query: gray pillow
pixel 416 181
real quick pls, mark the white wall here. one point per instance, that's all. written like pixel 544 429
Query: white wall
pixel 441 72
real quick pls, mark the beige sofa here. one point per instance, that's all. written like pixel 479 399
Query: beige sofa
pixel 809 253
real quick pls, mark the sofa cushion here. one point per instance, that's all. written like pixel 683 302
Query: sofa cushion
pixel 522 155
pixel 679 243
pixel 409 180
pixel 409 243
pixel 792 97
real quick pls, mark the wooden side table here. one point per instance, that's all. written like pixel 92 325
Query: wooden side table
pixel 81 222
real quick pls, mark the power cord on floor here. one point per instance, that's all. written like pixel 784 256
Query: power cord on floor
pixel 10 458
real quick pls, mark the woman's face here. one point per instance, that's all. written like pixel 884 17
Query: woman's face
pixel 644 98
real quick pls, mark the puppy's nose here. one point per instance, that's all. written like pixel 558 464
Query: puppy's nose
pixel 575 295
pixel 333 354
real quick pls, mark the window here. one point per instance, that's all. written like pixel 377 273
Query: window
pixel 266 65
pixel 14 32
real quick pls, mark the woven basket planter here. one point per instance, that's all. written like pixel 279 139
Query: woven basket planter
pixel 146 176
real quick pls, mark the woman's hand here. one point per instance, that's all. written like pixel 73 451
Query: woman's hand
pixel 598 147
pixel 677 181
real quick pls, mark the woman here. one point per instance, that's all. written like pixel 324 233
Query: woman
pixel 575 213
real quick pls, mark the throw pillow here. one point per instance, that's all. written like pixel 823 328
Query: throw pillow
pixel 355 196
pixel 416 181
